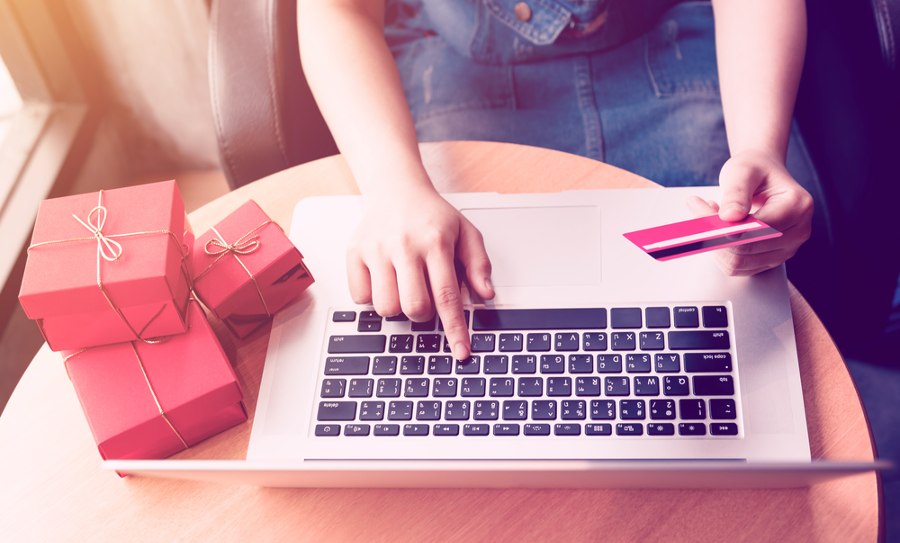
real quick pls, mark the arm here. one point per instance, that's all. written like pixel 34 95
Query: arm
pixel 409 235
pixel 760 47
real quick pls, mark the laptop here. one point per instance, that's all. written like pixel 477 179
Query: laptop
pixel 594 365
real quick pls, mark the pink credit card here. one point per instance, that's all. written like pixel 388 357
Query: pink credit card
pixel 699 235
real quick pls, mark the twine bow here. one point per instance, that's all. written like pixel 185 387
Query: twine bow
pixel 216 247
pixel 109 249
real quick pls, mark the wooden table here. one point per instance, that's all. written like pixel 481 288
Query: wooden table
pixel 52 487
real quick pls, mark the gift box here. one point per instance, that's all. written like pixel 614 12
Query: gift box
pixel 152 400
pixel 109 267
pixel 246 269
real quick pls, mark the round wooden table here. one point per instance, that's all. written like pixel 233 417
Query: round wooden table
pixel 52 487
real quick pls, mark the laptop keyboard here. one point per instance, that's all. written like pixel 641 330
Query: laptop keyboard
pixel 653 371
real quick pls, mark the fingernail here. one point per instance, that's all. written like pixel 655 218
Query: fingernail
pixel 487 284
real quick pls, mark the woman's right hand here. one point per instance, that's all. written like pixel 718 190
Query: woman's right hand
pixel 403 258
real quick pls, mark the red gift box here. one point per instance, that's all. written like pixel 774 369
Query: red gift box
pixel 246 269
pixel 109 267
pixel 147 400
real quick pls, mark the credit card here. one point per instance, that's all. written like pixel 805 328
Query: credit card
pixel 699 235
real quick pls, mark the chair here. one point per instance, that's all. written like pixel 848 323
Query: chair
pixel 848 111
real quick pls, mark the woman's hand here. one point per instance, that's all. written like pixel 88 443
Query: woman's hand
pixel 403 259
pixel 756 180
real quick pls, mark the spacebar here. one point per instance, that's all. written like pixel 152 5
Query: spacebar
pixel 539 319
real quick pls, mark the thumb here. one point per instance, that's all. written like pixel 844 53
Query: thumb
pixel 702 208
pixel 739 182
pixel 474 258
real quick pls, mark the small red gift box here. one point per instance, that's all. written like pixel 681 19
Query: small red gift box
pixel 109 267
pixel 147 400
pixel 246 269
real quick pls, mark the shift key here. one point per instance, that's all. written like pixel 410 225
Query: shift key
pixel 695 340
pixel 357 344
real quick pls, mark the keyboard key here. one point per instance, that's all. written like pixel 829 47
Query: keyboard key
pixel 629 429
pixel 538 343
pixel 566 341
pixel 446 429
pixel 469 366
pixel 472 387
pixel 428 343
pixel 400 410
pixel 336 411
pixel 388 388
pixel 387 429
pixel 594 341
pixel 511 343
pixel 631 409
pixel 368 326
pixel 356 344
pixel 333 388
pixel 343 316
pixel 486 410
pixel 646 385
pixel 361 388
pixel 723 429
pixel 440 365
pixel 401 343
pixel 369 316
pixel 515 410
pixel 537 429
pixel 416 388
pixel 457 410
pixel 415 429
pixel 539 319
pixel 707 362
pixel 715 316
pixel 543 410
pixel 476 429
pixel 428 410
pixel 625 317
pixel 444 387
pixel 356 430
pixel 531 386
pixel 637 363
pixel 412 365
pixel 494 364
pixel 698 340
pixel 553 363
pixel 524 363
pixel 559 386
pixel 483 343
pixel 653 341
pixel 502 386
pixel 567 429
pixel 372 410
pixel 385 365
pixel 440 325
pixel 598 429
pixel 426 326
pixel 623 341
pixel 692 409
pixel 667 362
pixel 609 363
pixel 586 386
pixel 691 429
pixel 399 317
pixel 687 317
pixel 603 409
pixel 329 429
pixel 347 365
pixel 657 317
pixel 661 429
pixel 713 385
pixel 581 363
pixel 722 409
pixel 675 385
pixel 573 410
pixel 506 429
pixel 617 386
pixel 662 409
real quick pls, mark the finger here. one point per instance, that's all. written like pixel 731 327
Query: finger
pixel 784 209
pixel 448 302
pixel 358 278
pixel 702 208
pixel 414 298
pixel 743 265
pixel 739 182
pixel 384 288
pixel 475 260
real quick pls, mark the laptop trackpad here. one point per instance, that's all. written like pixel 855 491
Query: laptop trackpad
pixel 541 246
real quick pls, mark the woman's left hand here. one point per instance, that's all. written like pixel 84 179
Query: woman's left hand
pixel 756 180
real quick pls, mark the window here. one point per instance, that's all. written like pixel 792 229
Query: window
pixel 10 101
